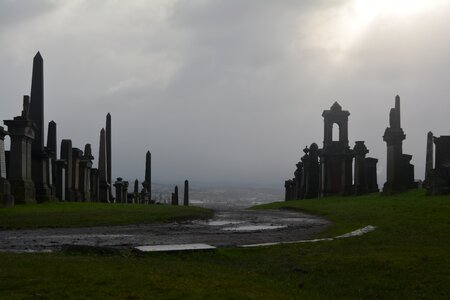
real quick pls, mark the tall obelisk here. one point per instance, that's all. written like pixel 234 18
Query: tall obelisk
pixel 39 157
pixel 108 154
pixel 104 188
pixel 148 174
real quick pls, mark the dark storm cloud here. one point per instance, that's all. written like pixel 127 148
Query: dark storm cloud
pixel 225 91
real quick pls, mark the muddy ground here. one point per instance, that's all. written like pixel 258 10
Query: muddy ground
pixel 225 229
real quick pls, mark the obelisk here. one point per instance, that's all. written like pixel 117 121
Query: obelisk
pixel 39 157
pixel 429 157
pixel 108 154
pixel 104 190
pixel 148 174
pixel 186 193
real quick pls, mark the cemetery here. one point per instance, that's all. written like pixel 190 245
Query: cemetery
pixel 65 219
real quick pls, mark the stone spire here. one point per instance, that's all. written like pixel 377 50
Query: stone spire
pixel 148 174
pixel 186 193
pixel 104 190
pixel 429 157
pixel 51 139
pixel 37 102
pixel 108 148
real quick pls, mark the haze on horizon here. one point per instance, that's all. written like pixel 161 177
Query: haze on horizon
pixel 229 92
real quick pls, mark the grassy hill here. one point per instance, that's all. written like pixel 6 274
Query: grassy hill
pixel 406 257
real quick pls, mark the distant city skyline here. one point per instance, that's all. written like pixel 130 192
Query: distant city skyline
pixel 228 92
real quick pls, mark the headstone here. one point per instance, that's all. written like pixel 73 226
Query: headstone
pixel 336 157
pixel 102 170
pixel 429 157
pixel 66 154
pixel 136 198
pixel 148 175
pixel 40 159
pixel 85 173
pixel 311 165
pixel 399 170
pixel 370 164
pixel 77 154
pixel 108 154
pixel 439 178
pixel 6 199
pixel 360 182
pixel 125 192
pixel 119 190
pixel 186 193
pixel 94 185
pixel 298 174
pixel 51 150
pixel 22 132
pixel 175 196
pixel 60 179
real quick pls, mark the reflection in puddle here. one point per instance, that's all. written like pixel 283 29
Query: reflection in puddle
pixel 254 227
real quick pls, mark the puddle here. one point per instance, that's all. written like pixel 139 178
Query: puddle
pixel 222 223
pixel 181 247
pixel 254 227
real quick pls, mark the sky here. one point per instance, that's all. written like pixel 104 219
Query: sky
pixel 229 92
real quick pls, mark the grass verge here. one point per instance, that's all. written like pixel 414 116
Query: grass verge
pixel 75 214
pixel 406 257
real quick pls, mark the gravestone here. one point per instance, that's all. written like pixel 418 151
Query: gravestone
pixel 104 190
pixel 60 179
pixel 336 157
pixel 311 171
pixel 125 192
pixel 77 154
pixel 429 157
pixel 119 190
pixel 66 155
pixel 399 171
pixel 136 198
pixel 175 196
pixel 439 178
pixel 94 185
pixel 51 151
pixel 186 193
pixel 85 173
pixel 360 183
pixel 370 164
pixel 6 199
pixel 108 155
pixel 39 156
pixel 22 132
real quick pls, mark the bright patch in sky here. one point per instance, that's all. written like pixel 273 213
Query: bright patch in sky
pixel 337 31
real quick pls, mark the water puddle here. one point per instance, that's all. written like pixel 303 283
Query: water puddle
pixel 180 247
pixel 254 227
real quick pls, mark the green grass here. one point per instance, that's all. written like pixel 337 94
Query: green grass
pixel 73 214
pixel 406 257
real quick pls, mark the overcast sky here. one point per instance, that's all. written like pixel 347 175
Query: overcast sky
pixel 229 92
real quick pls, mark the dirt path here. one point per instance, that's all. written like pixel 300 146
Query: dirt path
pixel 226 228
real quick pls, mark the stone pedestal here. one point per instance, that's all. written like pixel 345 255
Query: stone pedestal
pixel 119 190
pixel 125 192
pixel 94 185
pixel 360 151
pixel 21 131
pixel 66 155
pixel 371 174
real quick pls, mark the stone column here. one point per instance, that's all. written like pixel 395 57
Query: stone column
pixel 77 154
pixel 371 174
pixel 104 186
pixel 136 192
pixel 60 179
pixel 6 199
pixel 85 173
pixel 94 185
pixel 360 151
pixel 175 196
pixel 52 153
pixel 429 158
pixel 125 192
pixel 22 132
pixel 148 175
pixel 119 190
pixel 66 154
pixel 186 193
